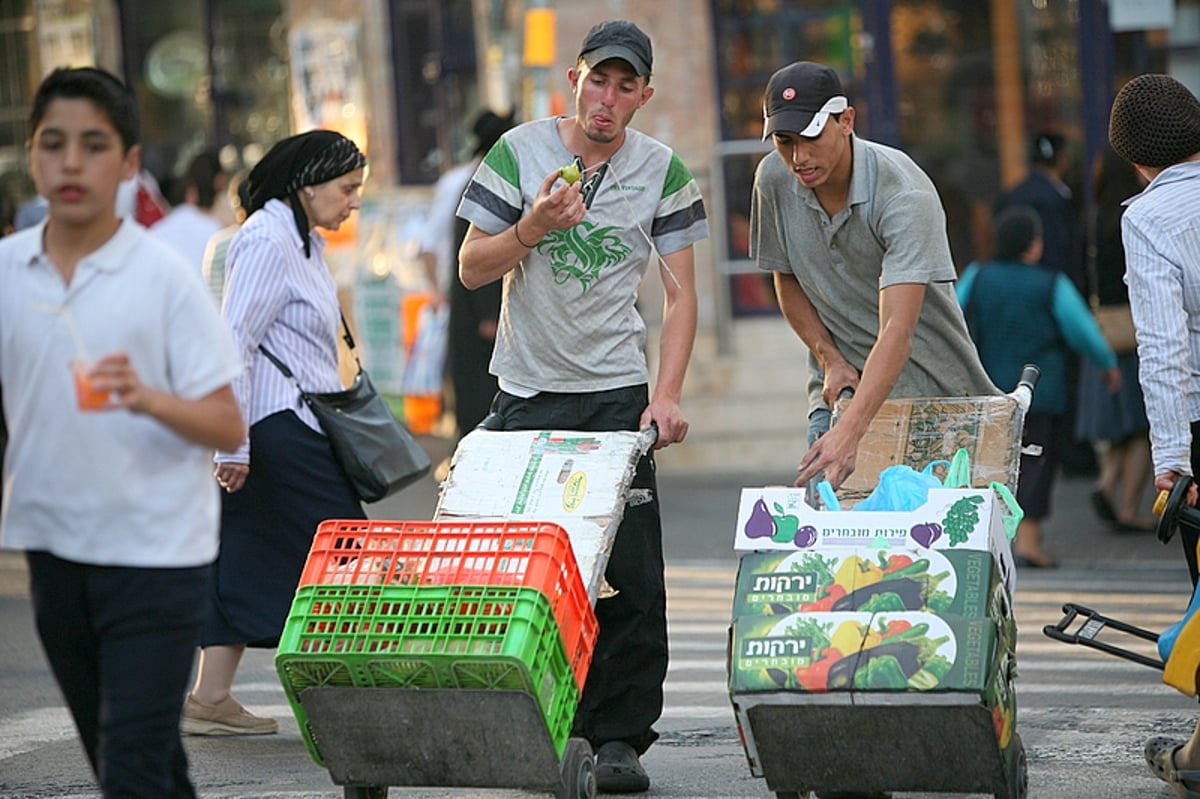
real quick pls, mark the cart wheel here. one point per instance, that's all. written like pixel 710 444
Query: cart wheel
pixel 365 792
pixel 578 771
pixel 1018 773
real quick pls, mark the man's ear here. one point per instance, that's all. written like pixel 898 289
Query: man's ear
pixel 847 119
pixel 647 93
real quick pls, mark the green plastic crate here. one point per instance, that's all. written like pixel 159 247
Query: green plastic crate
pixel 472 637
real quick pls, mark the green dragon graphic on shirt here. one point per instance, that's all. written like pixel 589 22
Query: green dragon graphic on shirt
pixel 582 252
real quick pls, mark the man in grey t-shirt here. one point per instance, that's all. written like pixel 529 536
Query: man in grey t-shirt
pixel 570 348
pixel 856 236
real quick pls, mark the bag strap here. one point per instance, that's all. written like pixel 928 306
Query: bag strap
pixel 283 367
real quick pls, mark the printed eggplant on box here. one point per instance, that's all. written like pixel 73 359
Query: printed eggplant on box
pixel 779 518
pixel 828 652
pixel 835 578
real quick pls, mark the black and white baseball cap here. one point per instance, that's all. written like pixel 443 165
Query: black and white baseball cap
pixel 800 98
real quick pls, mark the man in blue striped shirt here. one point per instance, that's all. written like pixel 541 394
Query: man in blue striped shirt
pixel 1155 125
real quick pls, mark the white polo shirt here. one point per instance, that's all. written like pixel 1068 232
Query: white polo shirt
pixel 107 487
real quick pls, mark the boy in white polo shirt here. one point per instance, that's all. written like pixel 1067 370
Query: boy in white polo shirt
pixel 110 492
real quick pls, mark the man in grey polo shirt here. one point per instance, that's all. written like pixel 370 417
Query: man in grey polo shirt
pixel 856 236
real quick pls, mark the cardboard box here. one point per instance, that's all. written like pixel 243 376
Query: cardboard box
pixel 575 479
pixel 960 582
pixel 951 519
pixel 906 651
pixel 917 432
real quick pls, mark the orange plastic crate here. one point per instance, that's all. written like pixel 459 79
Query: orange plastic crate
pixel 523 554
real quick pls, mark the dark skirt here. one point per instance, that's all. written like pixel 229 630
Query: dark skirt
pixel 267 529
pixel 1110 417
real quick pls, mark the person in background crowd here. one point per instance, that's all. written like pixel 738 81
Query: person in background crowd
pixel 473 314
pixel 1155 125
pixel 1045 190
pixel 1114 423
pixel 282 481
pixel 192 222
pixel 570 350
pixel 217 250
pixel 855 235
pixel 1020 312
pixel 112 499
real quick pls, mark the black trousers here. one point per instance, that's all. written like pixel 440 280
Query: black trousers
pixel 623 695
pixel 121 642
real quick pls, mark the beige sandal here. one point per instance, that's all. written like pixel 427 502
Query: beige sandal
pixel 1160 757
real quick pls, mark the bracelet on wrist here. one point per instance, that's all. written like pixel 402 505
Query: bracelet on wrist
pixel 517 233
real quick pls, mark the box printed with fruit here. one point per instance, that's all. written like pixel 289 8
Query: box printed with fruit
pixel 779 518
pixel 835 578
pixel 901 651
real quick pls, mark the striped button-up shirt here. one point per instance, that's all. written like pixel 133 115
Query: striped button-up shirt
pixel 1161 233
pixel 276 297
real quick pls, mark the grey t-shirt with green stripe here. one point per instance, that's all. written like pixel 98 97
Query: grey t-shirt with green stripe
pixel 569 322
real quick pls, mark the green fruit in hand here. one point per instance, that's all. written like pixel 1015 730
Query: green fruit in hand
pixel 570 173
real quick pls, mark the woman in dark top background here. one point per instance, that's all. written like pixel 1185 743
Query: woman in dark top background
pixel 1115 423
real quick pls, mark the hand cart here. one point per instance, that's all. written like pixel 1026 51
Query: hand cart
pixel 452 653
pixel 1087 627
pixel 860 738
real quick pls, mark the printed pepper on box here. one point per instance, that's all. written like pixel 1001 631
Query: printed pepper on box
pixel 836 578
pixel 902 651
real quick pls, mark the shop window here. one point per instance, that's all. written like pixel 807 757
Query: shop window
pixel 753 39
pixel 433 55
pixel 208 75
pixel 16 92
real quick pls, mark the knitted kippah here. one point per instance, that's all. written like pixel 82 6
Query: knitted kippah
pixel 1155 121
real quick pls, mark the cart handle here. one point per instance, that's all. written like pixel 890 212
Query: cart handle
pixel 1091 627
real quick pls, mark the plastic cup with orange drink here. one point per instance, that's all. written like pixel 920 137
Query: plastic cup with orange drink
pixel 87 395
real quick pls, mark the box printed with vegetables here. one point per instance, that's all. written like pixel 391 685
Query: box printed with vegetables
pixel 779 518
pixel 901 651
pixel 961 582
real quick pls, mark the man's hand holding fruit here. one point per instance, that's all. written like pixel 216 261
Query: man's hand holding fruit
pixel 554 208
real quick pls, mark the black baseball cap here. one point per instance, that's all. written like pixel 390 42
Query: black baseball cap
pixel 800 97
pixel 618 38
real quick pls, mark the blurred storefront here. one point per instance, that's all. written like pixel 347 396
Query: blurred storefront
pixel 961 85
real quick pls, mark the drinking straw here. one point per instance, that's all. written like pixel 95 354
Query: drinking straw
pixel 80 350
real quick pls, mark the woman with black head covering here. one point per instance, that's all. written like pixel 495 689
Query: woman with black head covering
pixel 283 481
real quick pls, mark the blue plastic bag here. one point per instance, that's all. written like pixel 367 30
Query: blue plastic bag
pixel 900 488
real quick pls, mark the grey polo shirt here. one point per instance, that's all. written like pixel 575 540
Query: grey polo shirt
pixel 892 230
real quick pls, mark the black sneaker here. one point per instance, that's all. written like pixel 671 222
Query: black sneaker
pixel 618 769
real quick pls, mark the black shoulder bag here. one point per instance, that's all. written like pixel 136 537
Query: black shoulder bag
pixel 377 453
